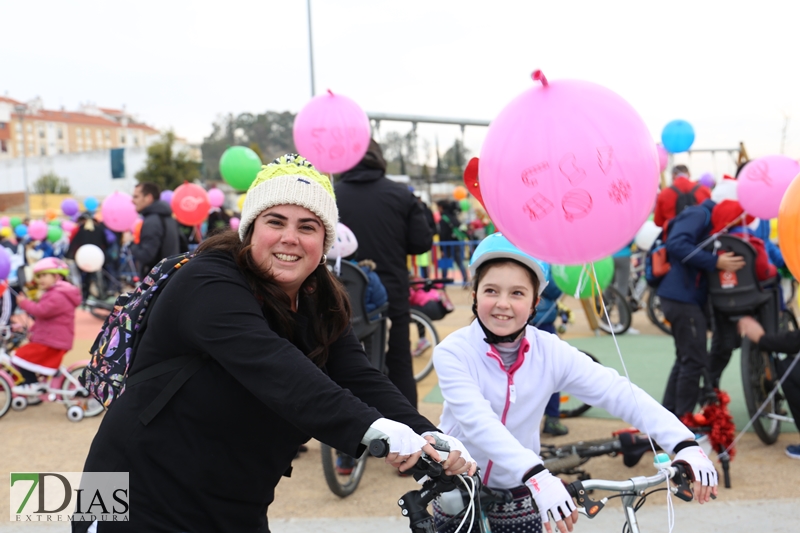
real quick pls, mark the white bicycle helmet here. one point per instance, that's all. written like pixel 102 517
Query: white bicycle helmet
pixel 345 244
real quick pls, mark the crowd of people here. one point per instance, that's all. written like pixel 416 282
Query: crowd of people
pixel 262 309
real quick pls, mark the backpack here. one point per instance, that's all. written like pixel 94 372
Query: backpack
pixel 656 261
pixel 114 349
pixel 684 199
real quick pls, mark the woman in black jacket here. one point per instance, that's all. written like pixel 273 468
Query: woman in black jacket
pixel 283 366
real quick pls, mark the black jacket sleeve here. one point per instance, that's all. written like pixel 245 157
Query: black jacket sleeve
pixel 349 367
pixel 223 319
pixel 152 235
pixel 420 234
pixel 787 342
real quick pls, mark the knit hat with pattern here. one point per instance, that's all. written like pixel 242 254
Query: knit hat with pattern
pixel 291 180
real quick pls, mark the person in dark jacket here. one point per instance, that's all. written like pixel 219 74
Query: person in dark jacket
pixel 159 235
pixel 450 231
pixel 683 293
pixel 389 224
pixel 283 365
pixel 787 342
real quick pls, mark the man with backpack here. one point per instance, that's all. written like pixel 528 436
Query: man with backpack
pixel 681 194
pixel 160 236
pixel 683 292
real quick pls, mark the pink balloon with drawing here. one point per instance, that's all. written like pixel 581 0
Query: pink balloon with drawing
pixel 762 183
pixel 568 171
pixel 332 132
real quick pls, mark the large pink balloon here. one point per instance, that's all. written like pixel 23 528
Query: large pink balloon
pixel 37 230
pixel 663 157
pixel 216 197
pixel 118 211
pixel 568 172
pixel 762 183
pixel 332 132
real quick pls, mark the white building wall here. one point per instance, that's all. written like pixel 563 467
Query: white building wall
pixel 88 173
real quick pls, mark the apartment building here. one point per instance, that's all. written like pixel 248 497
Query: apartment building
pixel 30 129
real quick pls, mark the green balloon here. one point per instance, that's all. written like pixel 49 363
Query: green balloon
pixel 14 221
pixel 239 166
pixel 466 205
pixel 568 277
pixel 54 222
pixel 54 233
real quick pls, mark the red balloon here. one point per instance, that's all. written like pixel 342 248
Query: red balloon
pixel 190 204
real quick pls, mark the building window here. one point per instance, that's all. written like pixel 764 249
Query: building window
pixel 60 150
pixel 3 147
pixel 43 151
pixel 19 148
pixel 136 140
pixel 30 148
pixel 98 134
pixel 122 138
pixel 41 133
pixel 29 128
pixel 60 133
pixel 78 132
pixel 108 134
pixel 19 126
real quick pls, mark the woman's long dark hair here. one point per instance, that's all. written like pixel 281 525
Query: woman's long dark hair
pixel 330 306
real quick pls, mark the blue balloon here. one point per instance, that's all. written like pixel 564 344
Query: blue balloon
pixel 91 204
pixel 21 230
pixel 677 136
pixel 5 263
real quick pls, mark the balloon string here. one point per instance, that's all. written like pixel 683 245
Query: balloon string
pixel 538 75
pixel 579 288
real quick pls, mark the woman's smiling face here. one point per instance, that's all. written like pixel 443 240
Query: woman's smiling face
pixel 287 242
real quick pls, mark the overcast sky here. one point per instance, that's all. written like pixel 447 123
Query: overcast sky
pixel 728 67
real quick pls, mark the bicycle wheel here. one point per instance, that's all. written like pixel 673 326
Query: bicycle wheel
pixel 758 379
pixel 98 308
pixel 341 485
pixel 5 395
pixel 89 404
pixel 619 312
pixel 570 406
pixel 655 314
pixel 424 339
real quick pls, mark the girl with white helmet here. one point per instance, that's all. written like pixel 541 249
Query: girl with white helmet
pixel 54 329
pixel 496 376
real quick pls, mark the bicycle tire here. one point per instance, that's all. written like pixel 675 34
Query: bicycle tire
pixel 99 309
pixel 655 314
pixel 758 380
pixel 619 311
pixel 574 407
pixel 91 407
pixel 5 395
pixel 342 486
pixel 422 361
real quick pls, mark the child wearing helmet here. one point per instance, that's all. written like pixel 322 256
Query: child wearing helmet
pixel 497 375
pixel 54 329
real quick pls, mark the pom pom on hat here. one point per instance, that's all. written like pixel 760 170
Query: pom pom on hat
pixel 291 180
pixel 725 190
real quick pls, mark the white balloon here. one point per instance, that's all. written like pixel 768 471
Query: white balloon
pixel 647 235
pixel 90 258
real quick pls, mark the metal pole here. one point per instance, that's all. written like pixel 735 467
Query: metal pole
pixel 21 112
pixel 311 51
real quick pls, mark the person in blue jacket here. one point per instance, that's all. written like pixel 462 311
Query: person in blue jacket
pixel 683 293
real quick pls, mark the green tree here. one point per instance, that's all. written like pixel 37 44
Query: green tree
pixel 166 168
pixel 50 183
pixel 454 159
pixel 399 151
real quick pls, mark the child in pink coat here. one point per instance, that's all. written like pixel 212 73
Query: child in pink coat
pixel 54 329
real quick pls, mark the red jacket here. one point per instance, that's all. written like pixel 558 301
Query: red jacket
pixel 665 203
pixel 55 315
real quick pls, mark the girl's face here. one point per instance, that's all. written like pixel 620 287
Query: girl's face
pixel 287 242
pixel 46 280
pixel 505 298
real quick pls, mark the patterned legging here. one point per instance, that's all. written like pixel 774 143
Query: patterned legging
pixel 517 516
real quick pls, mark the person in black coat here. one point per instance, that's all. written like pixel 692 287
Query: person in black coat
pixel 283 365
pixel 390 225
pixel 159 236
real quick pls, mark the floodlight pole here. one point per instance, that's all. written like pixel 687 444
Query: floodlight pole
pixel 20 109
pixel 311 51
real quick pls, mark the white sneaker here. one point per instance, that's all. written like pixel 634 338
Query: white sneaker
pixel 28 389
pixel 633 331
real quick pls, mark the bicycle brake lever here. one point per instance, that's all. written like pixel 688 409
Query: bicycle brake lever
pixel 681 480
pixel 590 506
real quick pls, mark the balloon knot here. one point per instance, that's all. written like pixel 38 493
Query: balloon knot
pixel 330 92
pixel 538 75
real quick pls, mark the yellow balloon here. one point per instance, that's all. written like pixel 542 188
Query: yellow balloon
pixel 5 232
pixel 240 202
pixel 773 230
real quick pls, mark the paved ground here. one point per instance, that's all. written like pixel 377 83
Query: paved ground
pixel 765 490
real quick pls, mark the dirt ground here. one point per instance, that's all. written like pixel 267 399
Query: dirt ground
pixel 42 439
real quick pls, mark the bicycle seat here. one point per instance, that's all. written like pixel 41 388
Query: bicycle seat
pixel 739 293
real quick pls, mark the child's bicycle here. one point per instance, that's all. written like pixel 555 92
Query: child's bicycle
pixel 423 334
pixel 63 387
pixel 476 499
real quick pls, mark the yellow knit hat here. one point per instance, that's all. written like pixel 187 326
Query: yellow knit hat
pixel 292 180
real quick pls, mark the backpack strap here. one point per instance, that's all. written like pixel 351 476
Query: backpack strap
pixel 189 366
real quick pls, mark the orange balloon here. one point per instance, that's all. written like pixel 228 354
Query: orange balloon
pixel 789 226
pixel 460 192
pixel 50 214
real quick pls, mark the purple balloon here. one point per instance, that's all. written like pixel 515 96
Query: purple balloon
pixel 5 263
pixel 69 207
pixel 708 180
pixel 166 196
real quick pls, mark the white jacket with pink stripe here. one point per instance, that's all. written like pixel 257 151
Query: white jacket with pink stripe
pixel 496 413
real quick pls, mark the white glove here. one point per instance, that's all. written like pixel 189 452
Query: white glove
pixel 702 468
pixel 550 495
pixel 401 438
pixel 453 443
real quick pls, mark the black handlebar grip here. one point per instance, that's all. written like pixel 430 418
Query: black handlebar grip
pixel 379 448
